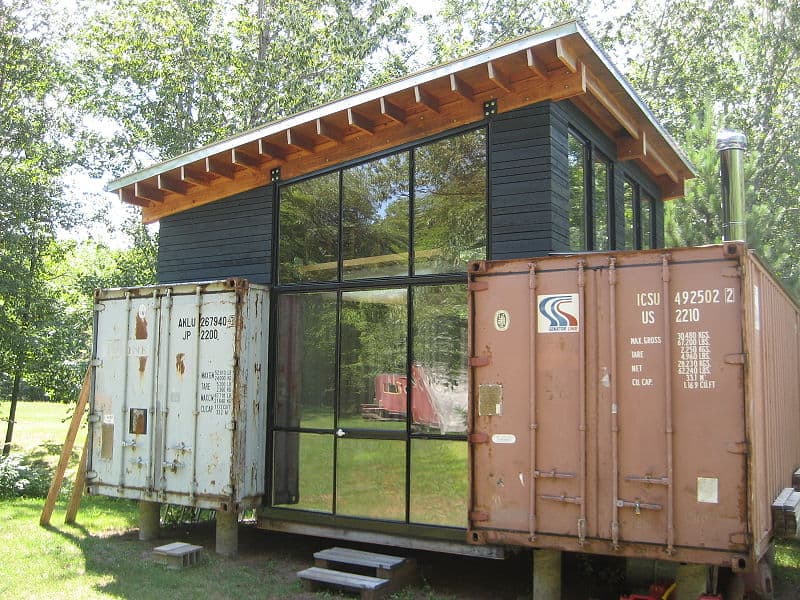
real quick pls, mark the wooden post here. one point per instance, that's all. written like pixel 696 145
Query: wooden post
pixel 66 452
pixel 77 488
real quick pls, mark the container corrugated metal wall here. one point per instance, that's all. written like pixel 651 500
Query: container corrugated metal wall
pixel 625 403
pixel 178 405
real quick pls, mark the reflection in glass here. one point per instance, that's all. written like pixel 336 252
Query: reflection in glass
pixel 308 224
pixel 373 352
pixel 375 218
pixel 439 346
pixel 450 203
pixel 577 193
pixel 630 225
pixel 305 360
pixel 371 478
pixel 303 471
pixel 600 203
pixel 646 220
pixel 439 478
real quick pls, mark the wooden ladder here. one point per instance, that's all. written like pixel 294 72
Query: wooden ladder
pixel 63 462
pixel 388 574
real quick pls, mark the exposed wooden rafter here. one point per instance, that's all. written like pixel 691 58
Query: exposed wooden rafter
pixel 360 122
pixel 126 195
pixel 497 77
pixel 566 55
pixel 271 151
pixel 148 192
pixel 633 148
pixel 604 97
pixel 461 87
pixel 195 176
pixel 297 140
pixel 219 167
pixel 166 183
pixel 535 65
pixel 661 165
pixel 329 131
pixel 243 159
pixel 392 111
pixel 426 99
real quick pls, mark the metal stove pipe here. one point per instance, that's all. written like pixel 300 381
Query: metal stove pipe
pixel 731 146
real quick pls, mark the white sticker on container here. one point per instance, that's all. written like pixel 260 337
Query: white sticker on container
pixel 708 490
pixel 502 320
pixel 108 419
pixel 756 309
pixel 504 438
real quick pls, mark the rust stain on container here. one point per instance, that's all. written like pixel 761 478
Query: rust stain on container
pixel 650 403
pixel 180 366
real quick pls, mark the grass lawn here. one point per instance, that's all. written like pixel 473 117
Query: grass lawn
pixel 102 557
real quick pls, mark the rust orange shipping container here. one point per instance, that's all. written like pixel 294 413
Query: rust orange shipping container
pixel 633 403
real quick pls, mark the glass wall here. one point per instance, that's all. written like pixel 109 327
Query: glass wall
pixel 371 334
pixel 639 221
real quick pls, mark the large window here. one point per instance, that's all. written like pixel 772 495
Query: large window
pixel 371 345
pixel 639 221
pixel 590 177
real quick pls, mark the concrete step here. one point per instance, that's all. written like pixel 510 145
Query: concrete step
pixel 368 587
pixel 334 566
pixel 177 555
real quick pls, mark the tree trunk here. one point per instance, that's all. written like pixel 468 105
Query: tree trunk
pixel 12 413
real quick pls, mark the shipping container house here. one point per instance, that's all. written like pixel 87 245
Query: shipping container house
pixel 362 215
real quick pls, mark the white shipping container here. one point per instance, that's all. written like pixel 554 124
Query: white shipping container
pixel 178 407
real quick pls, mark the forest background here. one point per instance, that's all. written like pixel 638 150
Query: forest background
pixel 93 89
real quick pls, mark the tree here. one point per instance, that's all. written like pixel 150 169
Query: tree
pixel 32 209
pixel 176 74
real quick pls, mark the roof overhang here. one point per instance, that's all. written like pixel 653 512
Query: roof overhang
pixel 559 63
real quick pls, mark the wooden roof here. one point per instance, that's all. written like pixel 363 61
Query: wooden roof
pixel 559 63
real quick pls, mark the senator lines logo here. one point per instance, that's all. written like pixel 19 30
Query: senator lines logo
pixel 558 313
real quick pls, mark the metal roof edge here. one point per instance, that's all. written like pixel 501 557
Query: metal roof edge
pixel 626 85
pixel 370 94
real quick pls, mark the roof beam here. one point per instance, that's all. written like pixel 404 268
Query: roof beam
pixel 535 64
pixel 360 122
pixel 604 97
pixel 299 141
pixel 461 87
pixel 425 99
pixel 165 183
pixel 195 176
pixel 147 191
pixel 218 167
pixel 271 151
pixel 632 148
pixel 671 189
pixel 497 78
pixel 566 55
pixel 127 195
pixel 568 84
pixel 248 161
pixel 394 112
pixel 329 131
pixel 661 164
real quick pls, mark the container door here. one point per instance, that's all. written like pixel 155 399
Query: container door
pixel 124 434
pixel 198 418
pixel 529 413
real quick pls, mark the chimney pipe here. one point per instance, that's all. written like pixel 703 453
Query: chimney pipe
pixel 731 146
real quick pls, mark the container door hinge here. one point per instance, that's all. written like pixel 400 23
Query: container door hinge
pixel 479 437
pixel 478 286
pixel 99 307
pixel 231 426
pixel 739 448
pixel 91 475
pixel 93 418
pixel 479 361
pixel 735 359
pixel 96 362
pixel 478 516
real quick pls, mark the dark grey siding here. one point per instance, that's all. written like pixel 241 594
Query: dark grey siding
pixel 227 238
pixel 520 182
